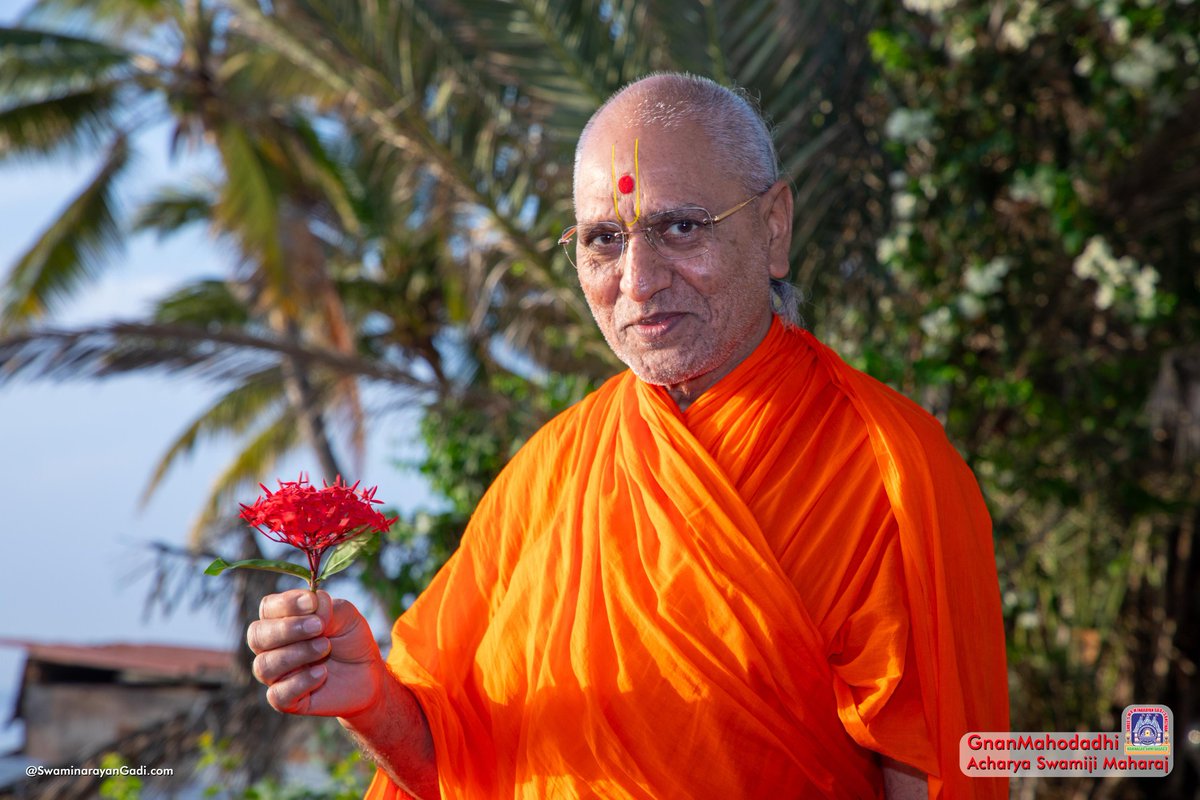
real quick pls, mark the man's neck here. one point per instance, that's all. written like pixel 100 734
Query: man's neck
pixel 687 392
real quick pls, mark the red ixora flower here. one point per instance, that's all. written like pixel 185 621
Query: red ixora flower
pixel 313 519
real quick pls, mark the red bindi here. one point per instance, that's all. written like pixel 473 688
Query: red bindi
pixel 625 185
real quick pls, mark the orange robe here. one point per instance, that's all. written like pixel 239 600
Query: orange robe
pixel 749 599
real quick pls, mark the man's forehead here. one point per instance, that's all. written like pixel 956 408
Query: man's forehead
pixel 667 167
pixel 659 145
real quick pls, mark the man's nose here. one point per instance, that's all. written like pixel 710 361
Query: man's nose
pixel 644 273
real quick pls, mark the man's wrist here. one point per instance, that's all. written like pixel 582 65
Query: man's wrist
pixel 394 733
pixel 368 719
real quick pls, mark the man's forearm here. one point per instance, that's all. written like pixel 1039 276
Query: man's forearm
pixel 395 735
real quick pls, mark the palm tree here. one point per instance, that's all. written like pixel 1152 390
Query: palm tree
pixel 334 120
pixel 137 64
pixel 393 177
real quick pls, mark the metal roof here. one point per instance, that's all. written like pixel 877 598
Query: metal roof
pixel 163 661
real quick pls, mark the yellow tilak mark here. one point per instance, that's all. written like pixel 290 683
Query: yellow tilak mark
pixel 637 179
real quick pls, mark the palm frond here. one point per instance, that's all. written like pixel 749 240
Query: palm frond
pixel 38 63
pixel 72 122
pixel 125 17
pixel 72 249
pixel 248 205
pixel 566 57
pixel 257 458
pixel 208 303
pixel 60 92
pixel 211 352
pixel 306 155
pixel 234 412
pixel 172 208
pixel 451 133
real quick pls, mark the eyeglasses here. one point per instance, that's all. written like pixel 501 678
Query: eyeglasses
pixel 676 234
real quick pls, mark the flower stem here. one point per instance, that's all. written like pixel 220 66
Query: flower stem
pixel 314 564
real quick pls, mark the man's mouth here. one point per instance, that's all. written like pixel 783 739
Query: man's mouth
pixel 655 325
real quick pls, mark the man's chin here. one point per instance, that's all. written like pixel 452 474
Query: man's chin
pixel 662 368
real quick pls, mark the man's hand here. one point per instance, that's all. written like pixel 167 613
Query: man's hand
pixel 316 655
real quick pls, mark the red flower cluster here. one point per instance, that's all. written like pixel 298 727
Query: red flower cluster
pixel 313 519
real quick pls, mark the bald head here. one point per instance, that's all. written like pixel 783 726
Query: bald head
pixel 673 101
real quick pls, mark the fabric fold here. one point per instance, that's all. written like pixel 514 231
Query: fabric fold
pixel 657 604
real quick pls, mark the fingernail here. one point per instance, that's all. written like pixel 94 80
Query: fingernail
pixel 318 671
pixel 312 625
pixel 307 602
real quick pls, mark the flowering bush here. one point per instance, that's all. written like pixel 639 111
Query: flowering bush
pixel 312 520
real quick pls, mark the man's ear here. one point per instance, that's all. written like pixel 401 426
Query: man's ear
pixel 778 204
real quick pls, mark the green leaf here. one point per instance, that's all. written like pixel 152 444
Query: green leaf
pixel 265 564
pixel 173 208
pixel 344 554
pixel 70 251
pixel 234 412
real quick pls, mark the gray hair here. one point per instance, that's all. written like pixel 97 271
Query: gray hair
pixel 729 117
pixel 785 302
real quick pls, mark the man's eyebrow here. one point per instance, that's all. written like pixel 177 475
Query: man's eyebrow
pixel 652 214
pixel 609 221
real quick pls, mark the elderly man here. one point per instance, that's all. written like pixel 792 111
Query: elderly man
pixel 739 569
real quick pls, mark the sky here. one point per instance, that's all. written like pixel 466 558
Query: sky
pixel 75 456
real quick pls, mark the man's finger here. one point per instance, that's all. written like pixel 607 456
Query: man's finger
pixel 268 634
pixel 292 695
pixel 274 665
pixel 292 603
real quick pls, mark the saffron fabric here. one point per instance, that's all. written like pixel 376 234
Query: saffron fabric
pixel 752 598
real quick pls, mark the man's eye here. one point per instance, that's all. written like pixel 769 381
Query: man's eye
pixel 684 229
pixel 601 240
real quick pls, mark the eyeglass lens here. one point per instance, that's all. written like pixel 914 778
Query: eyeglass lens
pixel 676 234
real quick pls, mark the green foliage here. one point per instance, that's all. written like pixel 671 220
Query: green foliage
pixel 346 778
pixel 119 786
pixel 1029 283
pixel 468 440
pixel 997 212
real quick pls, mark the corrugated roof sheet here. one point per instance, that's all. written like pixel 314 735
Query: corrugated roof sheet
pixel 166 661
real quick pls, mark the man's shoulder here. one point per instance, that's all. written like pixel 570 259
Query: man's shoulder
pixel 567 430
pixel 881 407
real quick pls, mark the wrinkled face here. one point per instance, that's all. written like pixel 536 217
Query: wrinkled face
pixel 672 321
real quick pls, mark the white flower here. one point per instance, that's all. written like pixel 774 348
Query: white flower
pixel 1018 32
pixel 892 247
pixel 936 323
pixel 960 42
pixel 1111 274
pixel 930 7
pixel 904 205
pixel 1109 9
pixel 970 306
pixel 984 279
pixel 1144 284
pixel 909 126
pixel 1120 30
pixel 886 249
pixel 1140 67
pixel 1036 188
pixel 1087 264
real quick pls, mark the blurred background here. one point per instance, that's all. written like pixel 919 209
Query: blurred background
pixel 242 240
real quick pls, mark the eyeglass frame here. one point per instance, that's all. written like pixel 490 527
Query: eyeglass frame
pixel 627 233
